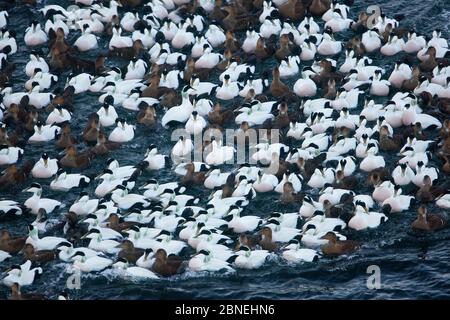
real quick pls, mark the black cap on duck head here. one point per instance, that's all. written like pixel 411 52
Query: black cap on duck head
pixel 106 105
pixel 275 14
pixel 360 203
pixel 169 191
pixel 326 185
pixel 91 216
pixel 409 149
pixel 39 123
pixel 164 232
pixel 200 212
pixel 192 29
pixel 186 88
pixel 64 244
pixel 276 215
pixel 206 46
pixel 110 83
pixel 136 90
pixel 192 219
pixel 387 209
pixel 79 253
pixel 122 260
pixel 187 213
pixel 242 178
pixel 411 95
pixel 328 31
pixel 340 138
pixel 107 171
pixel 94 230
pixel 273 221
pixel 318 213
pixel 152 181
pixel 121 187
pixel 172 203
pixel 121 120
pixel 109 100
pixel 338 11
pixel 233 207
pixel 35 185
pixel 135 228
pixel 146 10
pixel 244 248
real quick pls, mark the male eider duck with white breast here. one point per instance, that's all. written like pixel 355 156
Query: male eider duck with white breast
pixel 87 41
pixel 124 132
pixel 107 114
pixel 329 46
pixel 250 259
pixel 229 89
pixel 45 243
pixel 182 112
pixel 65 181
pixel 294 253
pixel 10 155
pixel 97 242
pixel 132 271
pixel 45 167
pixel 155 160
pixel 34 35
pixel 90 264
pixel 35 202
pixel 23 275
pixel 44 133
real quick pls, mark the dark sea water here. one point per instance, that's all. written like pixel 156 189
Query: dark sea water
pixel 412 265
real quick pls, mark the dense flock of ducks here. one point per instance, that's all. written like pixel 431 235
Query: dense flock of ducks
pixel 334 133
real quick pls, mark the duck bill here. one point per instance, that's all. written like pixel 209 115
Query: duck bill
pixel 84 236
